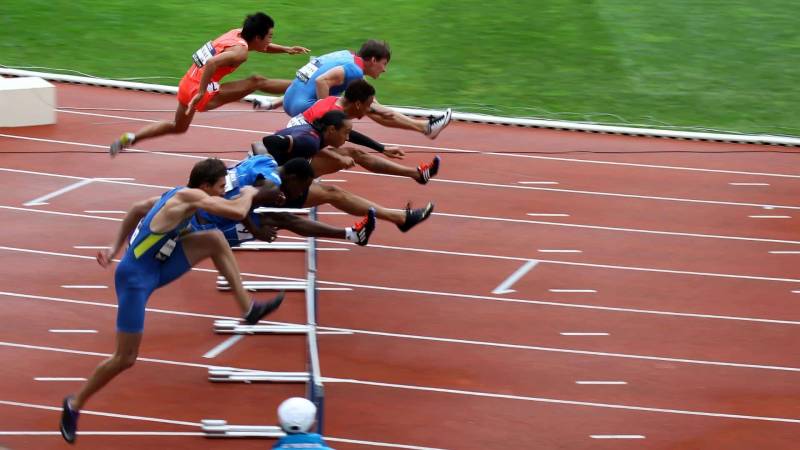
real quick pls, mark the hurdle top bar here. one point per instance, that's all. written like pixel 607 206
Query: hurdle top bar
pixel 761 139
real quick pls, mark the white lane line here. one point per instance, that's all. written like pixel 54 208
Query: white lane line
pixel 558 401
pixel 116 179
pixel 537 182
pixel 749 184
pixel 441 180
pixel 226 344
pixel 484 152
pixel 333 289
pixel 769 217
pixel 547 215
pixel 43 199
pixel 477 255
pixel 795 292
pixel 617 436
pixel 575 333
pixel 460 216
pixel 408 387
pixel 55 330
pixel 555 250
pixel 59 379
pixel 573 291
pixel 785 252
pixel 504 287
pixel 90 247
pixel 177 422
pixel 105 433
pixel 102 211
pixel 83 286
pixel 451 294
pixel 601 382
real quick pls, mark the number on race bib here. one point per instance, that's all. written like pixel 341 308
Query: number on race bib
pixel 135 233
pixel 231 182
pixel 203 54
pixel 306 72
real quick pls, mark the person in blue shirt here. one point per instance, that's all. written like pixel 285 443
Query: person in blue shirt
pixel 330 74
pixel 276 185
pixel 332 130
pixel 296 416
pixel 160 249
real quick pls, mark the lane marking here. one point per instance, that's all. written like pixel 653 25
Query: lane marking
pixel 83 286
pixel 105 433
pixel 101 211
pixel 544 250
pixel 573 291
pixel 504 287
pixel 601 382
pixel 224 345
pixel 72 331
pixel 484 152
pixel 537 182
pixel 769 217
pixel 617 436
pixel 795 292
pixel 547 215
pixel 749 184
pixel 785 252
pixel 43 199
pixel 573 333
pixel 461 216
pixel 453 295
pixel 332 249
pixel 441 180
pixel 334 289
pixel 559 401
pixel 173 422
pixel 417 388
pixel 59 379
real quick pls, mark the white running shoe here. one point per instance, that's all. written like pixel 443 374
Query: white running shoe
pixel 262 103
pixel 437 124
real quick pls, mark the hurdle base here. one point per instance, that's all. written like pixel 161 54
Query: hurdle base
pixel 256 376
pixel 225 326
pixel 217 428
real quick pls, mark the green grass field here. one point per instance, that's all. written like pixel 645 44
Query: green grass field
pixel 726 65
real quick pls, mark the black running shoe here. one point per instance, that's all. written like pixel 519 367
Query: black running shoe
pixel 365 227
pixel 69 421
pixel 415 216
pixel 428 170
pixel 261 309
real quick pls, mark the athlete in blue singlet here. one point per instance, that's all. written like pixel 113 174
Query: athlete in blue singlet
pixel 331 130
pixel 293 180
pixel 160 250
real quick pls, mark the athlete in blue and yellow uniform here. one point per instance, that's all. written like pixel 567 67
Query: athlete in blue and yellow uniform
pixel 160 250
pixel 293 180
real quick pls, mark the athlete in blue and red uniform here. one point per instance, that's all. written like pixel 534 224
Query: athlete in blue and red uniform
pixel 310 141
pixel 161 249
pixel 200 88
pixel 293 180
pixel 330 74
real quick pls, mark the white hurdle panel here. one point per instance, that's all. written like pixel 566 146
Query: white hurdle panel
pixel 222 285
pixel 271 246
pixel 218 428
pixel 228 326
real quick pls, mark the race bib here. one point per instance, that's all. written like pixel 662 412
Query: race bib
pixel 203 54
pixel 242 233
pixel 231 181
pixel 296 121
pixel 135 233
pixel 166 250
pixel 306 72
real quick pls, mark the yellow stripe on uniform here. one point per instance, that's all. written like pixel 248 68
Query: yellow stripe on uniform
pixel 146 244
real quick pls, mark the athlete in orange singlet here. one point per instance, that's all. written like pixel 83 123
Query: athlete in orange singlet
pixel 200 88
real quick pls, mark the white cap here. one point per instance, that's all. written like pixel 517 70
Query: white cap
pixel 296 415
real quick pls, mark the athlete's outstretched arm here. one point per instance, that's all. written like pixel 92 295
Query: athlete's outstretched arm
pixel 327 80
pixel 132 218
pixel 293 50
pixel 235 209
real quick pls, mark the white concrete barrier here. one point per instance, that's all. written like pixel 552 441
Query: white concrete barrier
pixel 27 101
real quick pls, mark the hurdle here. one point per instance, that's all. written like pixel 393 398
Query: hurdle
pixel 218 428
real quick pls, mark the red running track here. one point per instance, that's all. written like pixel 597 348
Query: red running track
pixel 691 311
